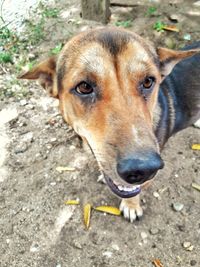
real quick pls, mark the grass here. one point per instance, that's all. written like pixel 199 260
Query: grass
pixel 124 23
pixel 159 26
pixel 9 45
pixel 36 31
pixel 12 46
pixel 5 57
pixel 16 49
pixel 48 12
pixel 56 49
pixel 51 12
pixel 13 88
pixel 151 11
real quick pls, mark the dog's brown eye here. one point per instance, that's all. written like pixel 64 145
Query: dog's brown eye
pixel 84 88
pixel 148 82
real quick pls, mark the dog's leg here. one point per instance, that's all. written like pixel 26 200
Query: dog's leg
pixel 131 208
pixel 197 124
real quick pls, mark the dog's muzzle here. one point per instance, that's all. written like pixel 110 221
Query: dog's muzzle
pixel 135 170
pixel 123 191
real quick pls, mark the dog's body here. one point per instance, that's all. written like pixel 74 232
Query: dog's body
pixel 112 90
pixel 179 97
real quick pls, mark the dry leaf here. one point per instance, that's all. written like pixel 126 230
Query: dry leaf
pixel 170 28
pixel 157 263
pixel 109 209
pixel 196 146
pixel 87 214
pixel 60 169
pixel 72 202
pixel 196 186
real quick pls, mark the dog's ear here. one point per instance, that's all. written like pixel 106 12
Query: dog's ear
pixel 45 73
pixel 169 58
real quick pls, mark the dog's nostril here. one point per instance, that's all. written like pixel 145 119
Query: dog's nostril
pixel 139 169
pixel 136 174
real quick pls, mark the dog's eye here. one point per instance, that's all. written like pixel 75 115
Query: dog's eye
pixel 148 82
pixel 84 88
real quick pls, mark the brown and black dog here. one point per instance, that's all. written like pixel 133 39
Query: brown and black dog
pixel 112 89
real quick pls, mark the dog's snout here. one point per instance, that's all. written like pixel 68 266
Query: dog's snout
pixel 139 168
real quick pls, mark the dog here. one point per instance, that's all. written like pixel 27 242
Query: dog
pixel 124 98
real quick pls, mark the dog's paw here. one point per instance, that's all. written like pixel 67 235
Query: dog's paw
pixel 131 208
pixel 197 124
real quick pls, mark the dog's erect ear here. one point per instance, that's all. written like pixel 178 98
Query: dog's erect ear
pixel 45 73
pixel 169 58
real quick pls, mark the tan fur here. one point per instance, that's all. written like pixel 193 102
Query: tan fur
pixel 121 121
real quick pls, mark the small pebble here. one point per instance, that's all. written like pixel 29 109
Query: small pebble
pixel 80 162
pixel 77 244
pixel 144 235
pixel 154 231
pixel 54 139
pixel 178 260
pixel 31 56
pixel 28 137
pixel 30 106
pixel 156 194
pixel 181 227
pixel 193 262
pixel 49 146
pixel 115 247
pixel 52 121
pixel 143 200
pixel 21 148
pixel 107 254
pixel 120 263
pixel 186 244
pixel 72 147
pixel 34 248
pixel 23 102
pixel 174 17
pixel 177 206
pixel 170 43
pixel 187 37
pixel 9 229
pixel 190 248
pixel 58 180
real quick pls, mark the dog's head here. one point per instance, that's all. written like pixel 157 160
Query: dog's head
pixel 107 82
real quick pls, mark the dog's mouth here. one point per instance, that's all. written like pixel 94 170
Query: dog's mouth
pixel 123 191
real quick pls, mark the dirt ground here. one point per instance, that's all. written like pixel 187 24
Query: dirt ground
pixel 36 227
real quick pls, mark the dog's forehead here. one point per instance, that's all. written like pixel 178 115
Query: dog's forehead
pixel 113 42
pixel 98 51
pixel 95 59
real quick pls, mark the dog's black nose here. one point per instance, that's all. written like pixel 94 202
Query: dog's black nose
pixel 140 167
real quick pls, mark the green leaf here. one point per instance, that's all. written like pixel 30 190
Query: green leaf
pixel 56 49
pixel 5 57
pixel 124 23
pixel 158 26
